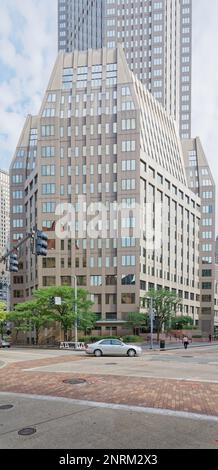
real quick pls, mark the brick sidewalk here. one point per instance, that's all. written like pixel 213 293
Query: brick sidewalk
pixel 198 397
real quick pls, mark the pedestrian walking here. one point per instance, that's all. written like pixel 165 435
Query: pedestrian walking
pixel 210 338
pixel 185 341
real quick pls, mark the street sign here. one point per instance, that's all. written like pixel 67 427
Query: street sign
pixel 57 300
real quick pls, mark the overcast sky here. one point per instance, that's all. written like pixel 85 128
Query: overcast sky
pixel 28 46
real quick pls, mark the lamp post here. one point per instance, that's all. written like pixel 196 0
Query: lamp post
pixel 75 309
pixel 151 314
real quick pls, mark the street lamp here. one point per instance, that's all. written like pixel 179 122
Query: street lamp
pixel 151 314
pixel 75 309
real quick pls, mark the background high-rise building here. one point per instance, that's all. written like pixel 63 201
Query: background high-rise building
pixel 156 37
pixel 200 180
pixel 4 229
pixel 100 135
pixel 216 255
pixel 4 209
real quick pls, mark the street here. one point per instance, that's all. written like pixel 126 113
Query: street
pixel 163 399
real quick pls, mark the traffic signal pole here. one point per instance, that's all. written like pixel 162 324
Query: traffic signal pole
pixel 11 252
pixel 39 248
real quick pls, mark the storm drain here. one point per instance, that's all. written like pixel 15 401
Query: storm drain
pixel 111 364
pixel 6 407
pixel 27 431
pixel 75 381
pixel 187 356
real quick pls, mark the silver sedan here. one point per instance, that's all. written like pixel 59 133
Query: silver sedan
pixel 113 347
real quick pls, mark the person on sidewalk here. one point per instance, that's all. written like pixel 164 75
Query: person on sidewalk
pixel 210 338
pixel 185 341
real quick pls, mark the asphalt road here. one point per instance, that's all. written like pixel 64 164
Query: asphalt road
pixel 199 364
pixel 67 424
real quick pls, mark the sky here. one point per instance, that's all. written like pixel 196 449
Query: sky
pixel 28 48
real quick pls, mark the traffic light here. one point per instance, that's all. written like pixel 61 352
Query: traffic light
pixel 13 263
pixel 41 243
pixel 51 301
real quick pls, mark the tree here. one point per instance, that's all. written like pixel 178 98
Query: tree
pixel 29 316
pixel 137 320
pixel 3 316
pixel 164 305
pixel 178 323
pixel 65 313
pixel 20 321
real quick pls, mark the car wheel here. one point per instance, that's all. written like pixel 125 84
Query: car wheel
pixel 131 353
pixel 97 353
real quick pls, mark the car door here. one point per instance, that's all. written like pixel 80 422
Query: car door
pixel 118 348
pixel 105 346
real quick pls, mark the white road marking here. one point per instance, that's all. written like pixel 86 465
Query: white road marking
pixel 137 409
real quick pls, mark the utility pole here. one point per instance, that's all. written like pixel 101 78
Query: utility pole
pixel 151 313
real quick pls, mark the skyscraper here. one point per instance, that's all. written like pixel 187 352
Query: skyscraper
pixel 156 37
pixel 104 145
pixel 200 180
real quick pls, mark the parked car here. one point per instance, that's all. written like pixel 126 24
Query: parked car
pixel 113 347
pixel 4 344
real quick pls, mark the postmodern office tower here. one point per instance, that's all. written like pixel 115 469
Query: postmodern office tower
pixel 201 181
pixel 4 225
pixel 101 137
pixel 157 40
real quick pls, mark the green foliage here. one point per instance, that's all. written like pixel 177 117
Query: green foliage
pixel 28 316
pixel 3 317
pixel 164 305
pixel 132 339
pixel 65 313
pixel 183 322
pixel 137 320
pixel 126 339
pixel 38 313
pixel 93 339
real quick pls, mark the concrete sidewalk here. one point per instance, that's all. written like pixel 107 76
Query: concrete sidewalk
pixel 59 423
pixel 177 345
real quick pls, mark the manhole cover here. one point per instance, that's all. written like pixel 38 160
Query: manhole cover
pixel 6 407
pixel 27 431
pixel 74 381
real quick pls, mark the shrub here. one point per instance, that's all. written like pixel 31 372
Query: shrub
pixel 132 339
pixel 126 339
pixel 92 339
pixel 196 336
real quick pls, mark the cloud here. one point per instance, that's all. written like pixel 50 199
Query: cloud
pixel 28 47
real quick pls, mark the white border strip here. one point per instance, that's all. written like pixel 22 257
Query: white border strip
pixel 113 406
